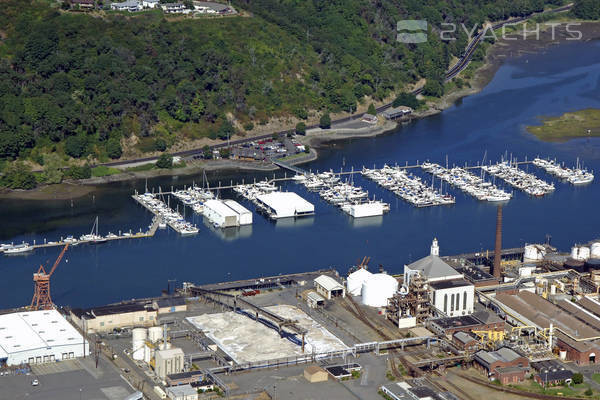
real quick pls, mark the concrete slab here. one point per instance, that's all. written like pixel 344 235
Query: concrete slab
pixel 246 340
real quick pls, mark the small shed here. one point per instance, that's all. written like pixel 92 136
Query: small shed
pixel 315 374
pixel 329 288
pixel 314 300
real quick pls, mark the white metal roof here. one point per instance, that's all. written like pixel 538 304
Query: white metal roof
pixel 32 330
pixel 285 202
pixel 328 283
pixel 314 296
pixel 221 208
pixel 434 268
pixel 237 207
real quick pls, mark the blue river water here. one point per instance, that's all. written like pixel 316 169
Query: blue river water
pixel 565 78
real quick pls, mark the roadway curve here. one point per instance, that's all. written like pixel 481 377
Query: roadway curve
pixel 450 74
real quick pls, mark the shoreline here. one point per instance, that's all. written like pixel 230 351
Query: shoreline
pixel 496 56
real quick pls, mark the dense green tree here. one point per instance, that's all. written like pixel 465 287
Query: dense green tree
pixel 325 121
pixel 75 146
pixel 301 128
pixel 587 9
pixel 160 144
pixel 371 110
pixel 164 161
pixel 113 148
pixel 406 99
pixel 18 176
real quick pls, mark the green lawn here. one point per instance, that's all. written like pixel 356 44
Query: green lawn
pixel 568 126
pixel 102 170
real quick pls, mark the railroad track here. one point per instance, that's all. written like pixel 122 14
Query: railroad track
pixel 353 308
pixel 464 395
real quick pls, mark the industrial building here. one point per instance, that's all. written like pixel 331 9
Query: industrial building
pixel 169 305
pixel 450 293
pixel 551 372
pixel 226 213
pixel 329 288
pixel 36 337
pixel 168 361
pixel 314 374
pixel 182 392
pixel 107 318
pixel 370 209
pixel 284 205
pixel 504 364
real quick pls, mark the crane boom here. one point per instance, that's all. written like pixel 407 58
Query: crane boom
pixel 60 256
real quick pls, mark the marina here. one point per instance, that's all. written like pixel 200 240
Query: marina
pixel 467 182
pixel 407 186
pixel 575 176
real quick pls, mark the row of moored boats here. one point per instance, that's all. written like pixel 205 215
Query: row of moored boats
pixel 510 173
pixel 576 175
pixel 469 183
pixel 166 214
pixel 408 187
pixel 345 195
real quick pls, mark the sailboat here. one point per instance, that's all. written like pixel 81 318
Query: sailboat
pixel 93 236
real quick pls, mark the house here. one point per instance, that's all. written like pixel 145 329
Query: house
pixel 169 305
pixel 129 5
pixel 551 372
pixel 369 118
pixel 83 4
pixel 397 112
pixel 504 364
pixel 171 8
pixel 315 374
pixel 329 288
pixel 150 3
pixel 465 341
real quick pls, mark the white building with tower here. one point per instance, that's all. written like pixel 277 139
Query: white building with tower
pixel 449 292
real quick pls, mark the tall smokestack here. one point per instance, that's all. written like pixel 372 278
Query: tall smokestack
pixel 498 247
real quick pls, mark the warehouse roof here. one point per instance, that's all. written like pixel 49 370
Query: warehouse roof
pixel 286 202
pixel 170 302
pixel 464 337
pixel 328 283
pixel 182 391
pixel 32 330
pixel 112 309
pixel 237 207
pixel 504 354
pixel 534 310
pixel 450 284
pixel 434 268
pixel 220 207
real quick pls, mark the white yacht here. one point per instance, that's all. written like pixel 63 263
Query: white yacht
pixel 19 249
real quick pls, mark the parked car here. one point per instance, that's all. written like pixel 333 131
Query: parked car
pixel 35 382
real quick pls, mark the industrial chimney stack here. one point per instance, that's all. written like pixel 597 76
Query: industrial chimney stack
pixel 498 247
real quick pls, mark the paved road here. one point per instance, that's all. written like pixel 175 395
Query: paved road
pixel 452 72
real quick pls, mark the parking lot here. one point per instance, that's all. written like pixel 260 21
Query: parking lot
pixel 68 380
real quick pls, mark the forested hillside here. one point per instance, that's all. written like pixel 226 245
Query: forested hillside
pixel 82 85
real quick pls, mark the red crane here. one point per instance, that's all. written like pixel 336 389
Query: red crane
pixel 41 280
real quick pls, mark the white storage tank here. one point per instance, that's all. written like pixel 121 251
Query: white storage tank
pixel 148 353
pixel 139 336
pixel 377 289
pixel 595 250
pixel 533 252
pixel 355 281
pixel 580 253
pixel 155 333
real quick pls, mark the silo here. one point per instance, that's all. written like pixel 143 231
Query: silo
pixel 595 250
pixel 377 289
pixel 155 333
pixel 355 281
pixel 138 342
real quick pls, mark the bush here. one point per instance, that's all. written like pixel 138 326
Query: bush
pixel 52 171
pixel 325 121
pixel 248 126
pixel 588 392
pixel 577 378
pixel 371 110
pixel 113 148
pixel 165 161
pixel 300 128
pixel 160 144
pixel 77 172
pixel 224 153
pixel 206 152
pixel 406 99
pixel 18 176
